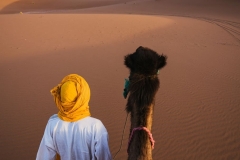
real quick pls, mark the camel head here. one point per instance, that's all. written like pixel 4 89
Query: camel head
pixel 145 61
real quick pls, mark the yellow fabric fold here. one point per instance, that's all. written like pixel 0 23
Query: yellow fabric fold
pixel 72 96
pixel 68 92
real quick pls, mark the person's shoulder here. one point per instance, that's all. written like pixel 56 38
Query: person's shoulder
pixel 53 118
pixel 97 123
pixel 92 120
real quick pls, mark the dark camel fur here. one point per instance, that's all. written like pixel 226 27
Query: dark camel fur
pixel 144 65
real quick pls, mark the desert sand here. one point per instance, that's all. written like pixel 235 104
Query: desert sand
pixel 197 110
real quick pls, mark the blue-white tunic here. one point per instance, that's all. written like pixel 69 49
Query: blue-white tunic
pixel 85 139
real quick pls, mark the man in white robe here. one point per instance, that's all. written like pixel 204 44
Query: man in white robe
pixel 72 134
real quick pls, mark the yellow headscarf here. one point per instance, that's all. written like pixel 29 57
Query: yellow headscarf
pixel 72 96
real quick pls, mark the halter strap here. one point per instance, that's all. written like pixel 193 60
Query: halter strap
pixel 148 132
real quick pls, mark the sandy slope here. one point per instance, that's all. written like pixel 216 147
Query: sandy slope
pixel 17 6
pixel 197 109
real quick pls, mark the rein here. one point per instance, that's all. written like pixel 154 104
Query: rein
pixel 122 137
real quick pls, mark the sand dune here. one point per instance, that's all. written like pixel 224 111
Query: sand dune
pixel 197 107
pixel 16 6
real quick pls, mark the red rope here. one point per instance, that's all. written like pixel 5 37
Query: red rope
pixel 145 129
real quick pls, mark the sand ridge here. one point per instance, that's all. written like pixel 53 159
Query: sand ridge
pixel 196 115
pixel 18 6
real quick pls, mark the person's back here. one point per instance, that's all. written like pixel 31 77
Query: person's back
pixel 73 136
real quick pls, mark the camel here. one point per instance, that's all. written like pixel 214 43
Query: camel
pixel 144 65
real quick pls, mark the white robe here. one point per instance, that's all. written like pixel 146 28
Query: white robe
pixel 85 139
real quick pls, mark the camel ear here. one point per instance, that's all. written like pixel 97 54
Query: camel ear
pixel 162 61
pixel 128 61
pixel 140 49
